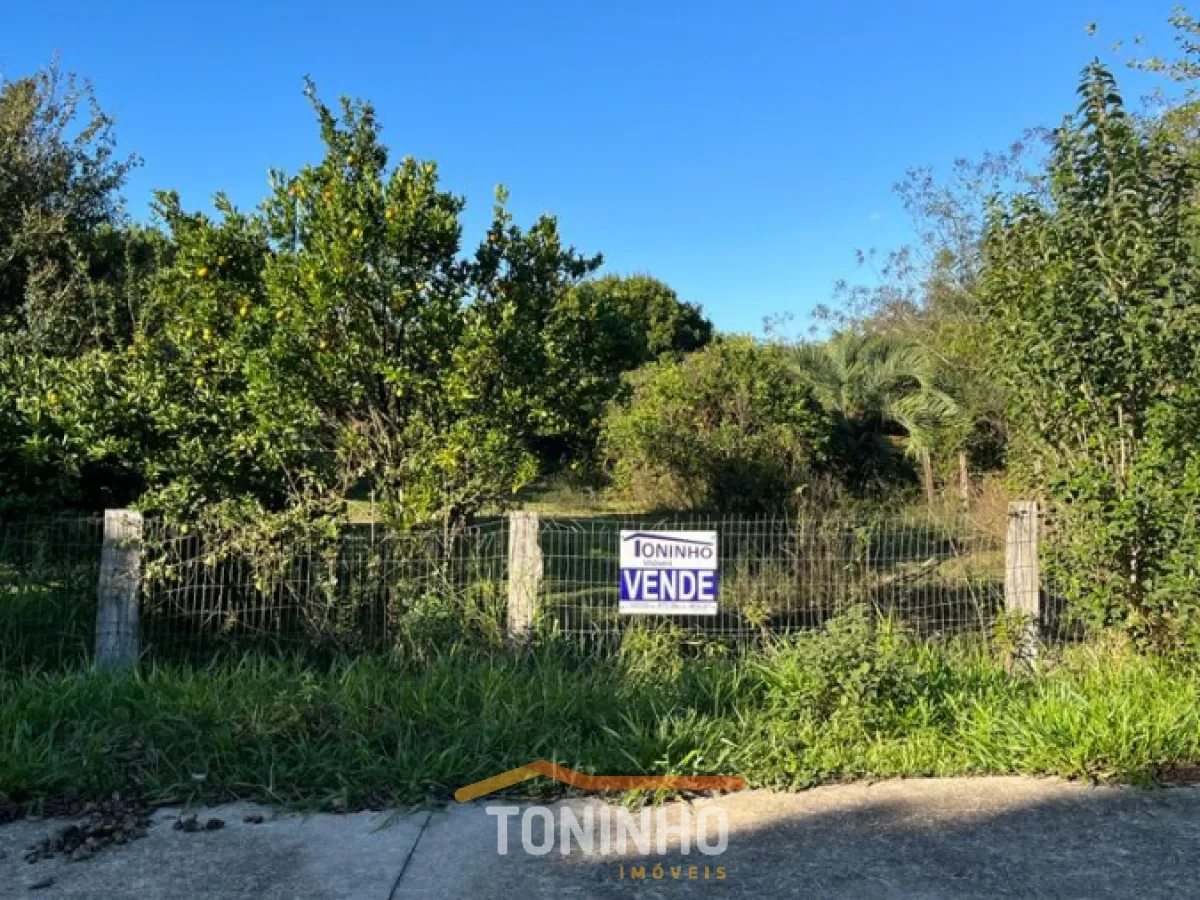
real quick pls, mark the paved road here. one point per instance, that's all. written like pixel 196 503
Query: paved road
pixel 943 838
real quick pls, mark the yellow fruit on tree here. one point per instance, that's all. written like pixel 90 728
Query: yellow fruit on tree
pixel 201 272
pixel 52 398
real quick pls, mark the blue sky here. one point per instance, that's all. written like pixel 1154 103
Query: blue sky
pixel 742 152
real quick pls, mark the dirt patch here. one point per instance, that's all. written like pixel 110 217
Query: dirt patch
pixel 11 811
pixel 1180 773
pixel 103 824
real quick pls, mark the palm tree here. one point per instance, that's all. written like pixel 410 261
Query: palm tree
pixel 882 383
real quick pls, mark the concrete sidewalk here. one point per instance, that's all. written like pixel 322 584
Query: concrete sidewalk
pixel 951 838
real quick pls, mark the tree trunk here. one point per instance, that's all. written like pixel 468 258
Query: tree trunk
pixel 964 480
pixel 927 476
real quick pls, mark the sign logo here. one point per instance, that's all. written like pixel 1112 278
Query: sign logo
pixel 612 829
pixel 671 572
pixel 598 782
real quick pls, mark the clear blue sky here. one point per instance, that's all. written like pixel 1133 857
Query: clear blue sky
pixel 740 151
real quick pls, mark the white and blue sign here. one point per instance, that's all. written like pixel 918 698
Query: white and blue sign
pixel 671 572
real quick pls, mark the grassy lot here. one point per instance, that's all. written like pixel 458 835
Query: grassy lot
pixel 556 495
pixel 850 701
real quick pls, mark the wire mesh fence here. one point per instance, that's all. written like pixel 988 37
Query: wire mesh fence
pixel 1060 622
pixel 48 573
pixel 371 588
pixel 938 575
pixel 368 589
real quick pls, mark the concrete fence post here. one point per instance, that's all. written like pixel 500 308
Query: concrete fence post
pixel 524 575
pixel 117 616
pixel 1022 575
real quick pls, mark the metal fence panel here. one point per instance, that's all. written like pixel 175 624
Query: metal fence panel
pixel 938 575
pixel 377 589
pixel 49 567
pixel 366 591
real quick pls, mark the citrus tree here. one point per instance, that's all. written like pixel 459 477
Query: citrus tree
pixel 339 337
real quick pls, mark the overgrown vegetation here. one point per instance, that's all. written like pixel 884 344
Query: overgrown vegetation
pixel 730 428
pixel 250 373
pixel 1092 289
pixel 855 700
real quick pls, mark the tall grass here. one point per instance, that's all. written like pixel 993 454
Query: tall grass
pixel 854 699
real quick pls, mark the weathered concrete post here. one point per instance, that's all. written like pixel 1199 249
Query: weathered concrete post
pixel 117 616
pixel 524 575
pixel 1022 575
pixel 964 481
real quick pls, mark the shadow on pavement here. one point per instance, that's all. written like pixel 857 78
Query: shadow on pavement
pixel 928 838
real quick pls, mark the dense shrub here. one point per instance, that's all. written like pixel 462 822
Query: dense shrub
pixel 72 271
pixel 731 427
pixel 1091 287
pixel 600 330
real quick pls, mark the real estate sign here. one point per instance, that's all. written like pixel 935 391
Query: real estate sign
pixel 669 572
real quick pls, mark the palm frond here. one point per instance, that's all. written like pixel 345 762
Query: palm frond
pixel 883 375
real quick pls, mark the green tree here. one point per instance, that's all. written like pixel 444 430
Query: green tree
pixel 595 333
pixel 730 427
pixel 61 241
pixel 653 320
pixel 337 338
pixel 541 347
pixel 73 278
pixel 1093 293
pixel 883 390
